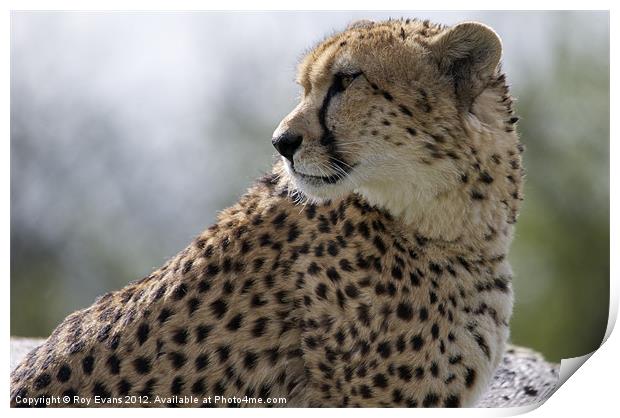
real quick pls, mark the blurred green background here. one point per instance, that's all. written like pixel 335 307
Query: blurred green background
pixel 129 131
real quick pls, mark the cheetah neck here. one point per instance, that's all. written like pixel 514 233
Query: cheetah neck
pixel 473 216
pixel 447 217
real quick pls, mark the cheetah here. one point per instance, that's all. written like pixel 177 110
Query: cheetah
pixel 367 269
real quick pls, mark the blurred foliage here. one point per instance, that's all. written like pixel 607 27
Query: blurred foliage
pixel 89 214
pixel 561 252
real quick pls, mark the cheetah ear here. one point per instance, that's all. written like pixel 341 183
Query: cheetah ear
pixel 468 53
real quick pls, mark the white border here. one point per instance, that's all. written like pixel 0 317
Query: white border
pixel 593 388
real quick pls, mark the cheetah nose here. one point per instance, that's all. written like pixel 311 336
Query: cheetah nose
pixel 287 144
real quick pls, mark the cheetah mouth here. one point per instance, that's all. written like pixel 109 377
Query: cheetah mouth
pixel 333 179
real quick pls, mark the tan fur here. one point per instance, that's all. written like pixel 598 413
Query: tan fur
pixel 387 285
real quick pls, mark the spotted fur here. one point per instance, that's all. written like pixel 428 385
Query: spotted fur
pixel 368 270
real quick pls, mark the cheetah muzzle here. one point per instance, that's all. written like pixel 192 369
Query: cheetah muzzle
pixel 368 269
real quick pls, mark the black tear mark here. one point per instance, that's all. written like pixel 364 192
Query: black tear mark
pixel 327 138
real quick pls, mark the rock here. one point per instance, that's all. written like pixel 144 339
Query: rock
pixel 523 378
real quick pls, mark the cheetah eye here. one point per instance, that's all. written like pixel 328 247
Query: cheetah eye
pixel 345 80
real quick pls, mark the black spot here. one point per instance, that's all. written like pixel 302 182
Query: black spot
pixel 114 364
pixel 71 393
pixel 264 240
pixel 384 349
pixel 321 290
pixel 351 291
pixel 293 233
pixel 332 248
pixel 380 381
pixel 178 359
pixel 388 96
pixel 470 377
pixel 279 220
pixel 247 285
pixel 435 331
pixel 87 364
pixel 269 281
pixel 177 385
pixel 64 373
pixel 452 401
pixel 397 396
pixel 405 110
pixel 180 336
pixel 99 389
pixel 202 331
pixel 250 359
pixel 404 311
pixel 258 263
pixel 142 333
pixel 378 242
pixel 340 297
pixel 224 353
pixel 318 250
pixel 412 403
pixel 363 314
pixel 434 369
pixel 204 286
pixel 324 224
pixel 414 278
pixel 476 195
pixel 313 269
pixel 482 344
pixel 199 388
pixel 147 389
pixel 455 359
pixel 400 343
pixel 123 387
pixel 333 275
pixel 259 326
pixel 114 342
pixel 423 314
pixel 310 342
pixel 530 391
pixel 417 342
pixel 431 399
pixel 397 273
pixel 435 268
pixel 348 228
pixel 404 372
pixel 179 292
pixel 142 365
pixel 42 381
pixel 228 287
pixel 192 305
pixel 310 211
pixel 501 284
pixel 164 315
pixel 365 391
pixel 219 308
pixel 363 229
pixel 432 297
pixel 212 269
pixel 485 177
pixel 201 362
pixel 235 323
pixel 257 301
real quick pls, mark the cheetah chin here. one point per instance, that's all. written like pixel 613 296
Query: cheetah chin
pixel 369 268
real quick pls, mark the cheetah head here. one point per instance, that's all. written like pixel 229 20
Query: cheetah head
pixel 387 111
